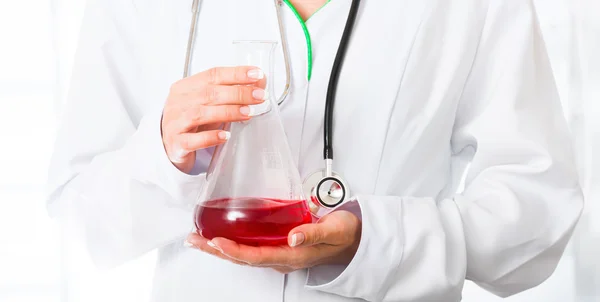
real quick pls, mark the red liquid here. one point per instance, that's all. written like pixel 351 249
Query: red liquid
pixel 251 221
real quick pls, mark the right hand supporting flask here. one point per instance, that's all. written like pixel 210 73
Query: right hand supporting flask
pixel 253 193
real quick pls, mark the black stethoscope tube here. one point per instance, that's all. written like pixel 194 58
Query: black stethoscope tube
pixel 334 80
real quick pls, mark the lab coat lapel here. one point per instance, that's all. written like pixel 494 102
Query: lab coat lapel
pixel 385 39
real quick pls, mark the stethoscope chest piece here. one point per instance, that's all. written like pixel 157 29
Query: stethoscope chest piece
pixel 324 193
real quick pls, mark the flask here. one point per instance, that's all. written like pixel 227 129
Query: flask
pixel 253 193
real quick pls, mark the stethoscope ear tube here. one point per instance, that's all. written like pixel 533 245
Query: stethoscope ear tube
pixel 193 25
pixel 286 54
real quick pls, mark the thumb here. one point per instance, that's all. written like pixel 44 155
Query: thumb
pixel 307 235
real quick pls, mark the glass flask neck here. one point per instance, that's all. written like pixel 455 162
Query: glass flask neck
pixel 259 54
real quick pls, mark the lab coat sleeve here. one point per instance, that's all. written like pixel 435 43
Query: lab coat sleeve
pixel 109 174
pixel 521 202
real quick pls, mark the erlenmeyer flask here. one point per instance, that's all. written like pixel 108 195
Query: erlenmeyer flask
pixel 253 193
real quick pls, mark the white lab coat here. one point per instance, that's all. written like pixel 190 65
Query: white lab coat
pixel 427 87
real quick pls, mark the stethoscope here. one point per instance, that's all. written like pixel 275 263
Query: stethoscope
pixel 325 189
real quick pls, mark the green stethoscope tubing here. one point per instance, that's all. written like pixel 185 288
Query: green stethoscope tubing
pixel 306 34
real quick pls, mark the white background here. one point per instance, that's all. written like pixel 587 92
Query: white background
pixel 37 39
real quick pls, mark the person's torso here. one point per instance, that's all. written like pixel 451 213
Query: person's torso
pixel 396 104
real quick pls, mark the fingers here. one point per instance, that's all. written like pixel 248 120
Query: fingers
pixel 215 126
pixel 233 95
pixel 213 97
pixel 198 242
pixel 222 95
pixel 187 143
pixel 239 252
pixel 206 115
pixel 222 114
pixel 281 258
pixel 267 256
pixel 239 75
pixel 337 228
pixel 307 235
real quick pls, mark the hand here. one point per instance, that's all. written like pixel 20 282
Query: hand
pixel 197 106
pixel 333 240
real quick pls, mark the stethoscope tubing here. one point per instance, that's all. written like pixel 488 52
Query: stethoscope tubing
pixel 334 80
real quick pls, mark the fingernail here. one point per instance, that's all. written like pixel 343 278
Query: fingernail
pixel 187 244
pixel 214 246
pixel 247 110
pixel 297 239
pixel 256 74
pixel 224 135
pixel 260 94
